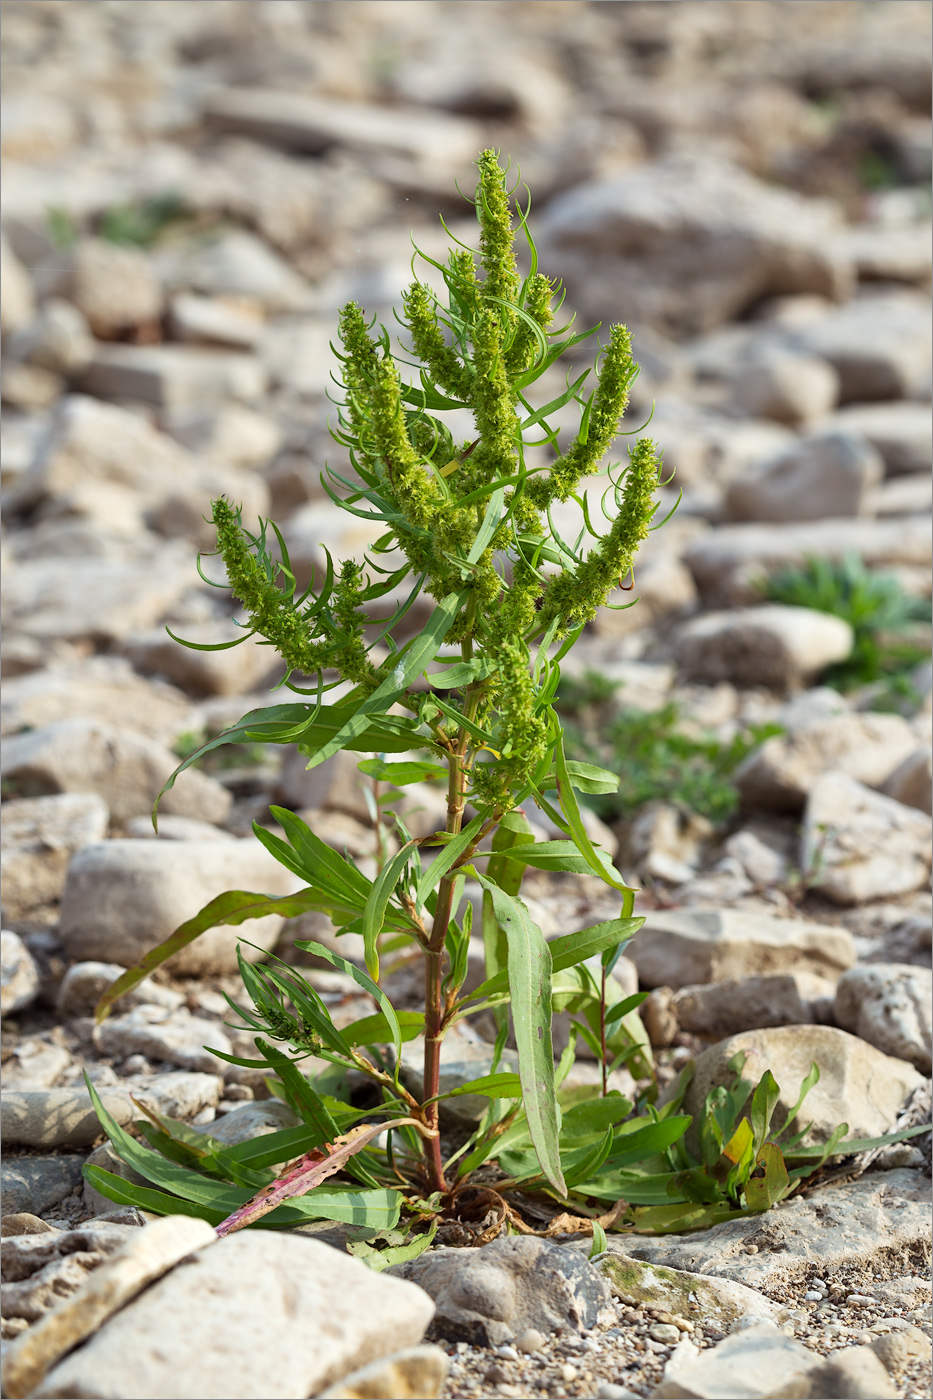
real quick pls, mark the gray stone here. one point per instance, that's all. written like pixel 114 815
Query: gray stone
pixel 126 769
pixel 688 242
pixel 416 1374
pixel 464 1056
pixel 820 478
pixel 66 1118
pixel 898 1351
pixel 85 983
pixel 251 1121
pixel 488 1296
pixel 230 433
pixel 878 344
pixel 114 285
pixel 839 1226
pixel 695 1297
pixel 899 431
pixel 756 1363
pixel 142 1257
pixel 259 1290
pixel 746 1003
pixel 889 1005
pixel 58 339
pixel 173 828
pixel 35 1064
pixel 176 1037
pixel 912 781
pixel 103 688
pixel 38 837
pixel 233 672
pixel 19 974
pixel 208 320
pixel 901 495
pixel 789 388
pixel 35 1184
pixel 665 842
pixel 681 947
pixel 173 376
pixel 783 770
pixel 121 898
pixel 858 845
pixel 890 253
pixel 858 1084
pixel 236 263
pixel 763 865
pixel 335 785
pixel 774 645
pixel 853 1373
pixel 730 562
pixel 300 122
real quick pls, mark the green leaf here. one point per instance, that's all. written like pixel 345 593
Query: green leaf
pixel 422 650
pixel 375 1030
pixel 585 777
pixel 400 774
pixel 529 976
pixel 598 861
pixel 811 1079
pixel 764 1102
pixel 648 1141
pixel 379 1259
pixel 379 896
pixel 572 948
pixel 307 1102
pixel 492 1086
pixel 448 857
pixel 128 1193
pixel 488 528
pixel 623 1007
pixel 551 855
pixel 600 1244
pixel 455 677
pixel 320 865
pixel 769 1182
pixel 362 980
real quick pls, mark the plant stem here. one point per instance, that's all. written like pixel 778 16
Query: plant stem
pixel 602 1030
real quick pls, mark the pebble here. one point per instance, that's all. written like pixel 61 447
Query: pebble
pixel 529 1341
pixel 664 1332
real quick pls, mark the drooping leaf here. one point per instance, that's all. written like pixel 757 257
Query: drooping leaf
pixel 375 1030
pixel 529 975
pixel 362 980
pixel 769 1182
pixel 400 774
pixel 379 896
pixel 493 1086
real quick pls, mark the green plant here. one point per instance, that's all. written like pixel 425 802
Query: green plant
pixel 655 759
pixel 883 618
pixel 143 222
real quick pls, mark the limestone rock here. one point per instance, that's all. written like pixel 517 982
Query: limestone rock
pixel 265 1294
pixel 868 747
pixel 681 947
pixel 335 785
pixel 789 388
pixel 856 1373
pixel 39 835
pixel 35 1184
pixel 861 845
pixel 174 377
pixel 115 286
pixel 232 672
pixel 692 1296
pixel 900 1350
pixel 878 344
pixel 900 431
pixel 19 974
pixel 912 781
pixel 85 983
pixel 841 1226
pixel 687 242
pixel 236 263
pixel 724 1008
pixel 17 300
pixel 144 1256
pixel 665 842
pixel 416 1374
pixel 889 1005
pixel 121 898
pixel 104 688
pixel 490 1295
pixel 125 769
pixel 35 1064
pixel 58 339
pixel 172 828
pixel 858 1084
pixel 774 645
pixel 756 1362
pixel 65 1117
pixel 820 478
pixel 176 1037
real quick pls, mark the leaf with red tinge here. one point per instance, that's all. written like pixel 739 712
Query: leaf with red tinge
pixel 308 1172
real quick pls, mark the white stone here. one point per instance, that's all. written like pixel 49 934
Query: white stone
pixel 121 898
pixel 867 747
pixel 680 947
pixel 727 1007
pixel 268 1296
pixel 38 837
pixel 65 1117
pixel 57 339
pixel 756 1362
pixel 416 1374
pixel 126 770
pixel 859 845
pixel 104 688
pixel 789 388
pixel 215 321
pixel 820 478
pixel 334 785
pixel 889 1005
pixel 173 1036
pixel 687 242
pixel 17 300
pixel 774 645
pixel 115 286
pixel 232 672
pixel 146 1255
pixel 879 345
pixel 900 431
pixel 173 376
pixel 912 781
pixel 84 984
pixel 883 253
pixel 19 974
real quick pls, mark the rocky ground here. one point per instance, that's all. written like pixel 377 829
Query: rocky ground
pixel 190 194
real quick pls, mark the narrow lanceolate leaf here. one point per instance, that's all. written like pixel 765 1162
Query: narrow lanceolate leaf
pixel 422 651
pixel 598 861
pixel 530 986
pixel 570 949
pixel 450 854
pixel 362 979
pixel 379 896
pixel 307 1173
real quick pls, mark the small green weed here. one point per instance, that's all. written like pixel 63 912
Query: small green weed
pixel 883 617
pixel 655 760
pixel 142 223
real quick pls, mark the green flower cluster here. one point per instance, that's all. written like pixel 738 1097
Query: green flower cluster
pixel 469 518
